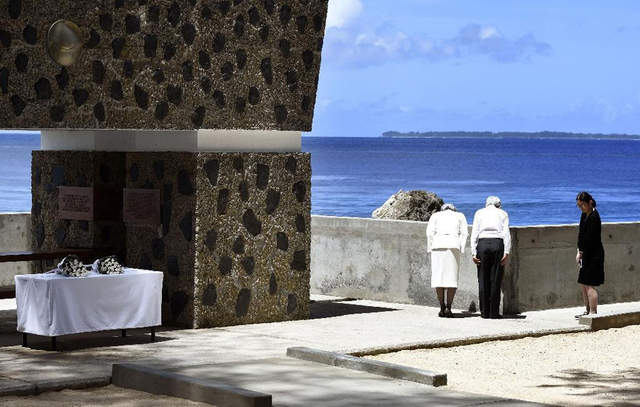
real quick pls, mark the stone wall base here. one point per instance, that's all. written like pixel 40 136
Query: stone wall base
pixel 234 234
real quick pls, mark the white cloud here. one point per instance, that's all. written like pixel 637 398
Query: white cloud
pixel 350 47
pixel 489 32
pixel 342 12
pixel 608 111
pixel 325 104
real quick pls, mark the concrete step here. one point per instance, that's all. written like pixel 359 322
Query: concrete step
pixel 608 320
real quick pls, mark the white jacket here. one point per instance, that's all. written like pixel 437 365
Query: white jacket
pixel 488 223
pixel 447 230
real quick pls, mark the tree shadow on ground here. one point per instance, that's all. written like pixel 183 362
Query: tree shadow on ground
pixel 616 388
pixel 329 309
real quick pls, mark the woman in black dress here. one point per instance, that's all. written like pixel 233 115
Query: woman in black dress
pixel 590 256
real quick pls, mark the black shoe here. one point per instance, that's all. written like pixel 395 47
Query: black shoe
pixel 496 316
pixel 441 313
pixel 582 315
pixel 448 313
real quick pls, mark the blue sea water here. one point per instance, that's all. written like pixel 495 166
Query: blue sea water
pixel 537 179
pixel 15 170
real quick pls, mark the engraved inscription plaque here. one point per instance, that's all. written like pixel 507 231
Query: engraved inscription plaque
pixel 141 206
pixel 75 203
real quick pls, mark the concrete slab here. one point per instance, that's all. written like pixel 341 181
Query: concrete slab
pixel 159 382
pixel 391 370
pixel 297 383
pixel 379 325
pixel 11 387
pixel 610 320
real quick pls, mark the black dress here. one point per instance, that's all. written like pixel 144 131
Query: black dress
pixel 590 244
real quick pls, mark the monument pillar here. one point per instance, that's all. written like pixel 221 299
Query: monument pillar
pixel 181 121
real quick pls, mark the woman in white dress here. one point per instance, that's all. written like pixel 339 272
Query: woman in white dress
pixel 447 236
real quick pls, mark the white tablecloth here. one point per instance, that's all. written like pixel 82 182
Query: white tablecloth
pixel 54 305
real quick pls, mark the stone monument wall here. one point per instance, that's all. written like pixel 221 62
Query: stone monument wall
pixel 170 245
pixel 233 230
pixel 163 64
pixel 104 171
pixel 233 236
pixel 253 238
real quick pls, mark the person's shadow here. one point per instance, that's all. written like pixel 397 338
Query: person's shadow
pixel 470 314
pixel 329 309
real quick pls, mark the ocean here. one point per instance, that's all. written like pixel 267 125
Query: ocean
pixel 15 170
pixel 536 179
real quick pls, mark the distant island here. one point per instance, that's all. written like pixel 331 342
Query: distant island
pixel 507 134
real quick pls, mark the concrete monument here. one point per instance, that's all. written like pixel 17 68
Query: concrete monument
pixel 199 102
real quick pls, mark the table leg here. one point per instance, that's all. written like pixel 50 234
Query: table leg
pixel 153 334
pixel 124 333
pixel 53 343
pixel 24 339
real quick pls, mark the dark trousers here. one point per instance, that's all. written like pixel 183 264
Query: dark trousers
pixel 490 272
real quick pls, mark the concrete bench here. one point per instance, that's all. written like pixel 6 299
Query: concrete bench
pixel 9 291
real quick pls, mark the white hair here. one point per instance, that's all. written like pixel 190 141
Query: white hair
pixel 493 200
pixel 448 206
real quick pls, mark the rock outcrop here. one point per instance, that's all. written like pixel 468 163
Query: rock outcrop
pixel 410 205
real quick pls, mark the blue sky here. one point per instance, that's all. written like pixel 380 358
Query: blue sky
pixel 479 65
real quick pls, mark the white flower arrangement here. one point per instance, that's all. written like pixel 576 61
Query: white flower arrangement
pixel 108 265
pixel 72 266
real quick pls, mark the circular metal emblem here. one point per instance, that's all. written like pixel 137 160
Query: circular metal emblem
pixel 64 41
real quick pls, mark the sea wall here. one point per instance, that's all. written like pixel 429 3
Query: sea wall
pixel 543 274
pixel 383 260
pixel 387 260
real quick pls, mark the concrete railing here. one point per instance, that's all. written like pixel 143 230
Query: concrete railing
pixel 387 260
pixel 15 236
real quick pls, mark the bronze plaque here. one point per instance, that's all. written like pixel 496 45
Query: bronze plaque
pixel 75 203
pixel 141 206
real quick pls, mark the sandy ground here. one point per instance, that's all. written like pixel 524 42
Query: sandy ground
pixel 584 369
pixel 97 397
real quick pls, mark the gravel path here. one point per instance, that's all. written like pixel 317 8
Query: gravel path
pixel 583 369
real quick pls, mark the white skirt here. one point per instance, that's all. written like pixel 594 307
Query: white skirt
pixel 445 267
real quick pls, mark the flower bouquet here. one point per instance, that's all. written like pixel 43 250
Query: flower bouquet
pixel 108 265
pixel 72 266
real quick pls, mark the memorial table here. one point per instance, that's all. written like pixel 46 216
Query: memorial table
pixel 53 305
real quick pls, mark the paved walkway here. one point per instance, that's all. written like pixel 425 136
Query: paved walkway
pixel 253 356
